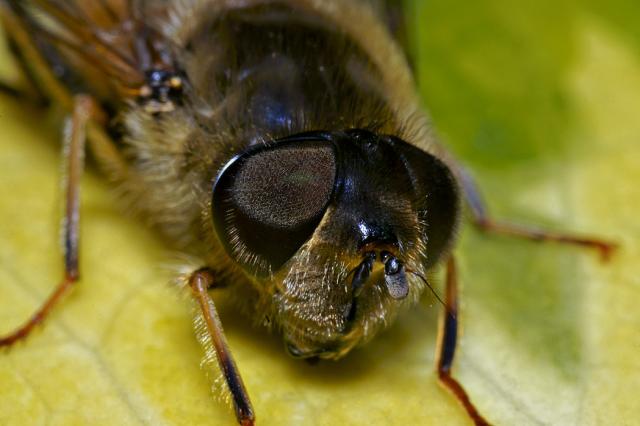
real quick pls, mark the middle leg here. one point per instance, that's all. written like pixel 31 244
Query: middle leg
pixel 83 111
pixel 482 220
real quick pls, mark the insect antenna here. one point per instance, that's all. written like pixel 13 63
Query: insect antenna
pixel 433 291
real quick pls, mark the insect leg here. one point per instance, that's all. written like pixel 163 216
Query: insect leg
pixel 74 151
pixel 29 93
pixel 447 341
pixel 11 91
pixel 28 57
pixel 30 90
pixel 482 219
pixel 22 95
pixel 200 281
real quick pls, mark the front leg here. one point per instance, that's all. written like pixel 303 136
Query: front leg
pixel 199 282
pixel 447 343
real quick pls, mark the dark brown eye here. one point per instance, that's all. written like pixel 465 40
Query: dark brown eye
pixel 268 202
pixel 436 197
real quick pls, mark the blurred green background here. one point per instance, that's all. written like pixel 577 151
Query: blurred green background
pixel 494 73
pixel 541 99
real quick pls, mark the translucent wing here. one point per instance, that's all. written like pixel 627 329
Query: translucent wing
pixel 100 47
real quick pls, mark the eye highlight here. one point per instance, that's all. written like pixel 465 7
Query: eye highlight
pixel 268 201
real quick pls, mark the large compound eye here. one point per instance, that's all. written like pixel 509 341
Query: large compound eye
pixel 268 202
pixel 437 199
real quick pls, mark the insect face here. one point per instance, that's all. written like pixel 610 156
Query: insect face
pixel 332 225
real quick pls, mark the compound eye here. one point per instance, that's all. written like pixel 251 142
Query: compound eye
pixel 268 202
pixel 436 197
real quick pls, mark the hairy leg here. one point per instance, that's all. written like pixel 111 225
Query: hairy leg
pixel 200 281
pixel 74 150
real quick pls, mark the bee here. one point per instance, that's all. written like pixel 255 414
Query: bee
pixel 279 141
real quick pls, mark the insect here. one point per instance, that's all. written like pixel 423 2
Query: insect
pixel 280 142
